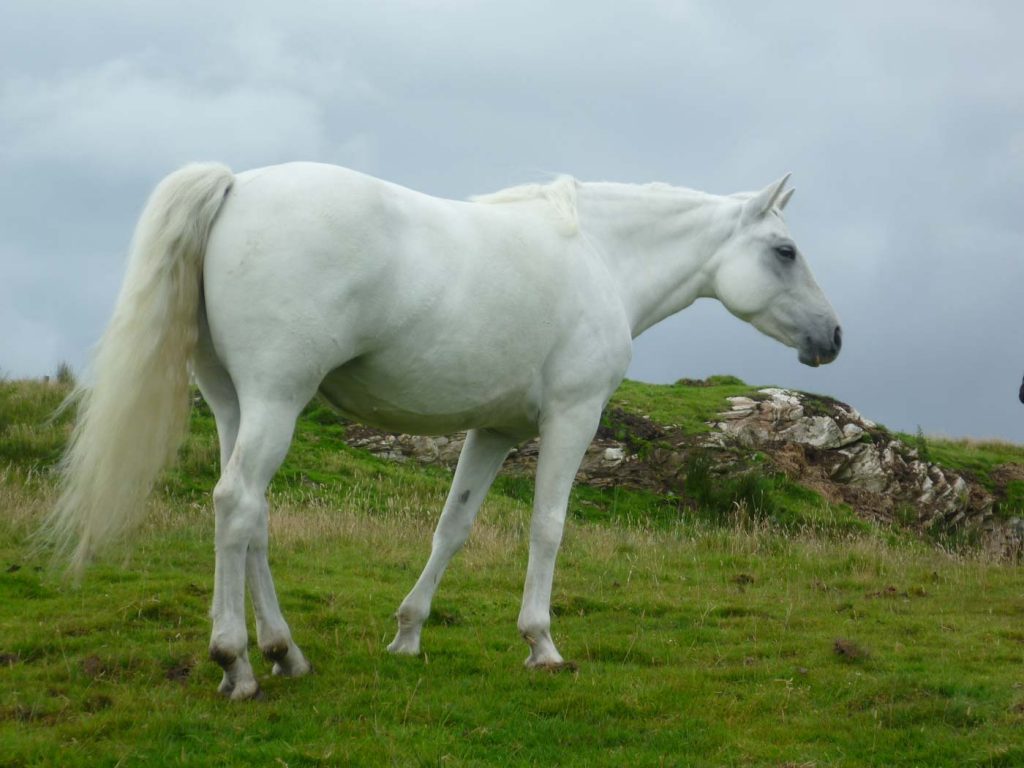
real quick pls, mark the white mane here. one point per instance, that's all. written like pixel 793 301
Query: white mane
pixel 560 194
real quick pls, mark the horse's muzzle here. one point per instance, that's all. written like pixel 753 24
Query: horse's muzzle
pixel 815 354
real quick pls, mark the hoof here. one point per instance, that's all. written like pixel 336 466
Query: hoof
pixel 403 645
pixel 296 671
pixel 243 690
pixel 543 653
pixel 541 661
pixel 292 668
pixel 226 686
pixel 554 667
pixel 246 690
pixel 288 661
pixel 238 682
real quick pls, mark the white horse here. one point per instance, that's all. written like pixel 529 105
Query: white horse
pixel 510 316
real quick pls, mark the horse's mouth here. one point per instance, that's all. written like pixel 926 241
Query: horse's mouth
pixel 817 351
pixel 814 359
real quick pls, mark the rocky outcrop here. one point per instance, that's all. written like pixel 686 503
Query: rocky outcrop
pixel 607 462
pixel 818 442
pixel 846 455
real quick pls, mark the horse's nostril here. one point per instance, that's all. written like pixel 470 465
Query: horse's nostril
pixel 838 338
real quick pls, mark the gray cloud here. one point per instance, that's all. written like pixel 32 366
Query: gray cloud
pixel 903 125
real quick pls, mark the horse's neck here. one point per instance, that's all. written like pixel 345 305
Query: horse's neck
pixel 658 241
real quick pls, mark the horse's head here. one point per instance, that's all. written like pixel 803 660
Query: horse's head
pixel 761 277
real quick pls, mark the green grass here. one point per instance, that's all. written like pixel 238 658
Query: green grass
pixel 29 435
pixel 698 643
pixel 682 404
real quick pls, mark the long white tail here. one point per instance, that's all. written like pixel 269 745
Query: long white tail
pixel 134 416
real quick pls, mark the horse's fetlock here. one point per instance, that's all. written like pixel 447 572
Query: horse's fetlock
pixel 275 652
pixel 410 616
pixel 534 631
pixel 222 656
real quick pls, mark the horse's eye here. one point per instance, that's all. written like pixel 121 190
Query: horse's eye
pixel 786 252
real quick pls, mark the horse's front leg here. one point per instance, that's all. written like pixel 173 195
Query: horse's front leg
pixel 272 633
pixel 564 438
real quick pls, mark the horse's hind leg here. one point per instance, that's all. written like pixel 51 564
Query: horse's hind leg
pixel 479 462
pixel 218 390
pixel 264 434
pixel 272 632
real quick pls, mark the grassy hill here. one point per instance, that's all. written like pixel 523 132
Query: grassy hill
pixel 700 638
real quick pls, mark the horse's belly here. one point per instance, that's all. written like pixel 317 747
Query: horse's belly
pixel 417 402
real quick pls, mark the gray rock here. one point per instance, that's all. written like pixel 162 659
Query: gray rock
pixel 891 470
pixel 614 456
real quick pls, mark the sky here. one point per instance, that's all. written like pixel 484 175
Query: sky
pixel 902 124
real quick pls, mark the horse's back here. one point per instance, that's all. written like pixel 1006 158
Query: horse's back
pixel 315 218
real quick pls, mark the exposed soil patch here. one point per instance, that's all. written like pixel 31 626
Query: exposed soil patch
pixel 621 425
pixel 94 667
pixel 444 618
pixel 890 592
pixel 847 650
pixel 180 671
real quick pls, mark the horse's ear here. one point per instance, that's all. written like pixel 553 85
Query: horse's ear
pixel 762 202
pixel 784 198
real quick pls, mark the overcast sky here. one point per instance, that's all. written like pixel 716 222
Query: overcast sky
pixel 902 122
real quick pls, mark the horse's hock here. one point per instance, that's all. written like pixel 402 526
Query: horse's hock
pixel 818 442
